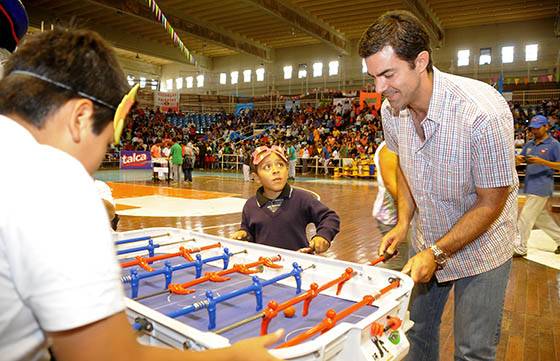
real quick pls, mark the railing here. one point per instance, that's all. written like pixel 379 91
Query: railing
pixel 534 97
pixel 314 165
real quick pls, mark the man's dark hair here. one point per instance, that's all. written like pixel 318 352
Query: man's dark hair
pixel 79 59
pixel 402 31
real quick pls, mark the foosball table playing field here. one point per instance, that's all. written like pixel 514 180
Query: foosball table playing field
pixel 190 290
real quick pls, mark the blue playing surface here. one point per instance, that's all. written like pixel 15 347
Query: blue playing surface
pixel 241 307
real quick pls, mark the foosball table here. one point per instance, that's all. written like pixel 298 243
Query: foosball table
pixel 190 290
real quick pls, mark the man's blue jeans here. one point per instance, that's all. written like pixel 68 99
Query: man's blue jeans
pixel 479 303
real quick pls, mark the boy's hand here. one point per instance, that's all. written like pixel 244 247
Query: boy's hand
pixel 317 245
pixel 253 349
pixel 240 235
pixel 519 159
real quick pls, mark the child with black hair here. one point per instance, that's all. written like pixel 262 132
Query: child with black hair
pixel 278 214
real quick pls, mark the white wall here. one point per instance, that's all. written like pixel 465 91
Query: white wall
pixel 350 74
pixel 498 35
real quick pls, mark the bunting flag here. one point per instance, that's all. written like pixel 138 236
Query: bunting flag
pixel 169 29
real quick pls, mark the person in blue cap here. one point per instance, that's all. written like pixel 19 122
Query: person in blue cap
pixel 542 155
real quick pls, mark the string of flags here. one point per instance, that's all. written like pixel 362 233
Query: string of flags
pixel 160 16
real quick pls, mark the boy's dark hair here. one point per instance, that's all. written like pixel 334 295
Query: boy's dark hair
pixel 402 31
pixel 79 59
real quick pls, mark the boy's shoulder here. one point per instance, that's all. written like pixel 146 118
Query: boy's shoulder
pixel 303 195
pixel 252 201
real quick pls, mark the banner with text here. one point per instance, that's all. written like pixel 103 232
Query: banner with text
pixel 166 101
pixel 370 99
pixel 132 159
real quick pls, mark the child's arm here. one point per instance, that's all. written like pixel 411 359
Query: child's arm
pixel 244 232
pixel 327 223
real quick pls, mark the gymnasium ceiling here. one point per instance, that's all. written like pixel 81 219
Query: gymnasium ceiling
pixel 216 28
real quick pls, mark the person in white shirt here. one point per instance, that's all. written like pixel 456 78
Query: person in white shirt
pixel 59 277
pixel 106 195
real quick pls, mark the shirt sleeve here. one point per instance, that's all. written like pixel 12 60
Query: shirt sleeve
pixel 64 264
pixel 524 150
pixel 556 152
pixel 325 219
pixel 245 221
pixel 388 127
pixel 493 152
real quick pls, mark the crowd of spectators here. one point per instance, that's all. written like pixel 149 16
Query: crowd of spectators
pixel 522 115
pixel 328 132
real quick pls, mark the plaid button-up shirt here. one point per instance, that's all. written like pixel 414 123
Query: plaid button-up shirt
pixel 469 143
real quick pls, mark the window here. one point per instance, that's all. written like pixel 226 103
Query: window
pixel 364 66
pixel 154 84
pixel 200 81
pixel 142 82
pixel 234 75
pixel 162 87
pixel 130 80
pixel 179 83
pixel 247 75
pixel 463 57
pixel 223 78
pixel 531 52
pixel 189 82
pixel 260 74
pixel 485 56
pixel 288 72
pixel 333 68
pixel 507 54
pixel 302 71
pixel 317 69
pixel 169 84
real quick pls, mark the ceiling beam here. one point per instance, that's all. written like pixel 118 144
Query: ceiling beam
pixel 121 39
pixel 195 27
pixel 306 22
pixel 425 14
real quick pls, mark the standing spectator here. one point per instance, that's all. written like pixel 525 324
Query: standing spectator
pixel 188 161
pixel 457 185
pixel 384 207
pixel 246 164
pixel 542 155
pixel 292 158
pixel 176 161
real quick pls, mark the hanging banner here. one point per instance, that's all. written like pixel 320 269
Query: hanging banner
pixel 242 106
pixel 131 159
pixel 370 99
pixel 166 101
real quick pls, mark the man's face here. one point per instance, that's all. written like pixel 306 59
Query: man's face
pixel 273 173
pixel 394 78
pixel 539 133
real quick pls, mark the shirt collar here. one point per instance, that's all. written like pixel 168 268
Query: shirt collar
pixel 435 108
pixel 545 141
pixel 262 199
pixel 12 124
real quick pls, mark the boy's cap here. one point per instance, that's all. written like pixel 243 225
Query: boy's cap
pixel 538 121
pixel 263 151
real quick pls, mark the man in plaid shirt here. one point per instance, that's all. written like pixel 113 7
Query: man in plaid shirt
pixel 457 187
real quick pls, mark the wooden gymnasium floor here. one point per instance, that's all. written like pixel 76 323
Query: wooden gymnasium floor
pixel 531 324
